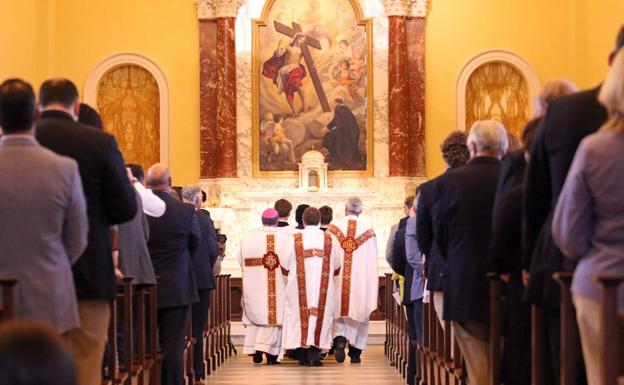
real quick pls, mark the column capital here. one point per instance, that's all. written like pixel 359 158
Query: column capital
pixel 398 7
pixel 419 8
pixel 213 9
pixel 409 8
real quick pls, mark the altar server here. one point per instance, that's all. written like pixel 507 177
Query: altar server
pixel 356 294
pixel 261 253
pixel 309 309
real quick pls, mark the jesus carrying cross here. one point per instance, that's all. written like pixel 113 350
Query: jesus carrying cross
pixel 286 70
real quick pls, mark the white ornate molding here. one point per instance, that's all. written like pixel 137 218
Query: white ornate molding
pixel 109 63
pixel 409 8
pixel 206 10
pixel 212 9
pixel 526 69
pixel 419 8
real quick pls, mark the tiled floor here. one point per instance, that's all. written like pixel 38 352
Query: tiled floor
pixel 374 370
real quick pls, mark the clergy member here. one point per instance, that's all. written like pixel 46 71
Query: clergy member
pixel 309 308
pixel 261 253
pixel 356 294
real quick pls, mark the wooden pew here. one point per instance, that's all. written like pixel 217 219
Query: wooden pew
pixel 495 328
pixel 612 357
pixel 154 357
pixel 189 344
pixel 7 312
pixel 570 343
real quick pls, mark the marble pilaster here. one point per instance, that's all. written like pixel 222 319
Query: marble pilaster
pixel 208 82
pixel 415 27
pixel 226 98
pixel 406 86
pixel 218 88
pixel 398 95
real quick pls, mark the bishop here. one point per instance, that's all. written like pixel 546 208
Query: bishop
pixel 261 254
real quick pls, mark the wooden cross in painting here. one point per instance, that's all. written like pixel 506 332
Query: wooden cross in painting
pixel 312 42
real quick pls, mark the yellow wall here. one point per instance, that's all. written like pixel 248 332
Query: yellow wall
pixel 17 39
pixel 43 38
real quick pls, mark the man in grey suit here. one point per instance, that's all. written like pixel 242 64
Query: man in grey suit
pixel 44 221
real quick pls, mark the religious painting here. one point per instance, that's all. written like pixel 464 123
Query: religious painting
pixel 312 87
pixel 128 100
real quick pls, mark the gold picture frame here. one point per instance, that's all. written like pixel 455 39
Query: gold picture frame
pixel 259 56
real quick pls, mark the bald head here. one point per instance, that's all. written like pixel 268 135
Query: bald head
pixel 158 176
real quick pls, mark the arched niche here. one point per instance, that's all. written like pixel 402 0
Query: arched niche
pixel 130 60
pixel 507 69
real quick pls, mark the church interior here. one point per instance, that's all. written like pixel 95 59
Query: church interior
pixel 316 102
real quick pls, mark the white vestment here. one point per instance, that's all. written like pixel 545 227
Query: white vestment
pixel 358 281
pixel 316 266
pixel 261 254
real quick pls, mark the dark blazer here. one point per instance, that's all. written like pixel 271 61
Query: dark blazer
pixel 568 120
pixel 400 264
pixel 463 237
pixel 207 252
pixel 174 237
pixel 506 246
pixel 513 168
pixel 109 195
pixel 427 220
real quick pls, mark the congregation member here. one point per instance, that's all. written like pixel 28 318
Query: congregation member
pixel 455 154
pixel 134 261
pixel 466 204
pixel 263 253
pixel 110 200
pixel 567 121
pixel 401 266
pixel 514 163
pixel 356 294
pixel 407 206
pixel 327 215
pixel 588 223
pixel 506 261
pixel 33 354
pixel 44 215
pixel 283 208
pixel 89 116
pixel 203 264
pixel 309 306
pixel 299 215
pixel 415 262
pixel 152 205
pixel 174 239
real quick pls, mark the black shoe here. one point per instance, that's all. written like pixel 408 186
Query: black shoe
pixel 271 360
pixel 355 353
pixel 315 363
pixel 257 358
pixel 339 349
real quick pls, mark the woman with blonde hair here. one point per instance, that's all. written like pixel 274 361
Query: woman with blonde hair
pixel 588 224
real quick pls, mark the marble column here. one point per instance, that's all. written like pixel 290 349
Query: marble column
pixel 406 103
pixel 217 88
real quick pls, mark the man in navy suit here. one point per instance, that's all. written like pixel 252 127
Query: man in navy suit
pixel 466 205
pixel 174 239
